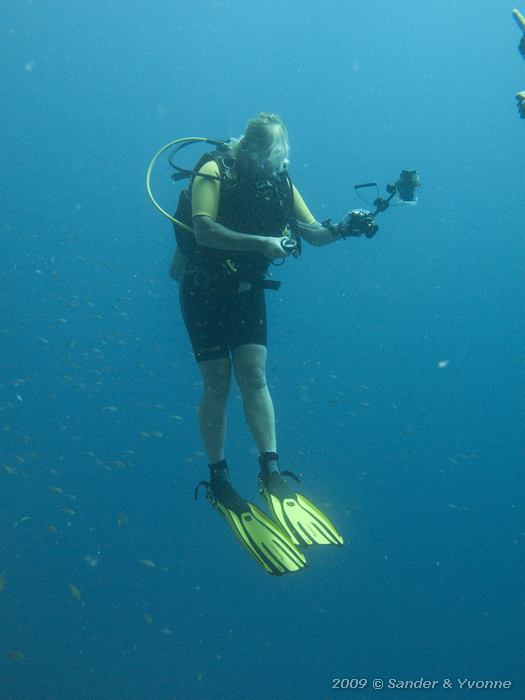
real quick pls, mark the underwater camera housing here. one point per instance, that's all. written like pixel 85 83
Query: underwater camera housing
pixel 406 186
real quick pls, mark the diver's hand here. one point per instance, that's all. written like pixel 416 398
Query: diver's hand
pixel 358 222
pixel 273 248
pixel 520 97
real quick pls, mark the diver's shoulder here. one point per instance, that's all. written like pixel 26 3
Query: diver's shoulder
pixel 211 167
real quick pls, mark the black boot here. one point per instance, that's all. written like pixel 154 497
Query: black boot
pixel 273 480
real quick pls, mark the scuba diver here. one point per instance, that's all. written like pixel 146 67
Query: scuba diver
pixel 520 21
pixel 240 214
pixel 246 213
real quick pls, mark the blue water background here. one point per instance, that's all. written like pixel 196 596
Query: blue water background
pixel 420 465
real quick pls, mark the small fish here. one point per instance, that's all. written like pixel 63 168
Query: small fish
pixel 442 364
pixel 165 632
pixel 111 409
pixel 147 563
pixel 56 489
pixel 149 619
pixel 52 529
pixel 74 591
pixel 91 561
pixel 15 655
pixel 2 582
pixel 68 511
pixel 122 520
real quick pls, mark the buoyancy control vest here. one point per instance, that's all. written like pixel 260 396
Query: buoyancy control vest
pixel 260 206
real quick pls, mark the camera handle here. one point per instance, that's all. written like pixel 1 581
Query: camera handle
pixel 380 203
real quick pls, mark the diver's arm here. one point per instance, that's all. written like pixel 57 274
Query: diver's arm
pixel 205 197
pixel 316 234
pixel 520 21
pixel 357 222
pixel 211 234
pixel 311 230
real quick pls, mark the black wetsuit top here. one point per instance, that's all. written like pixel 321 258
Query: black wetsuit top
pixel 221 294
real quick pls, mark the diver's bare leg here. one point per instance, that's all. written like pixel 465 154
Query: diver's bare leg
pixel 216 376
pixel 249 363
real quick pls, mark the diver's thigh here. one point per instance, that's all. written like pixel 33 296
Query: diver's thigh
pixel 249 355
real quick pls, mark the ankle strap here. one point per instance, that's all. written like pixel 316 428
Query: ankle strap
pixel 266 457
pixel 218 467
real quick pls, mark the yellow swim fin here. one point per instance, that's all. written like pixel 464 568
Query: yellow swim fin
pixel 264 539
pixel 302 521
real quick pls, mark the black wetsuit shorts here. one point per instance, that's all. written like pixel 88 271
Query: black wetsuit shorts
pixel 221 314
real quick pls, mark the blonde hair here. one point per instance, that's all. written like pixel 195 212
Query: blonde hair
pixel 264 142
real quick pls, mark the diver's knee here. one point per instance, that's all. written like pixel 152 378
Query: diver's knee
pixel 252 378
pixel 216 389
